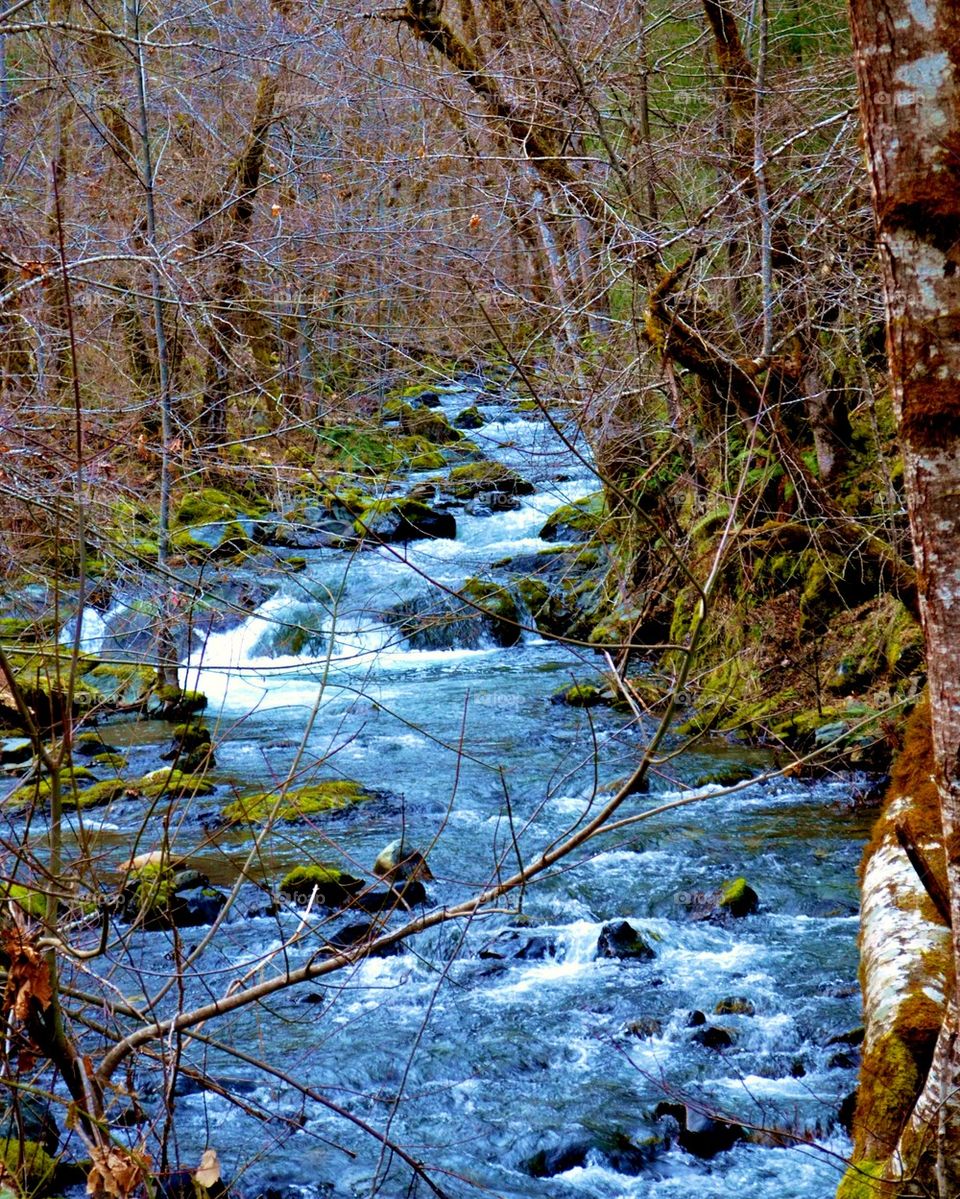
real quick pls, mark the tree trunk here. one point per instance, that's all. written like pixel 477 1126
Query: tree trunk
pixel 908 66
pixel 228 290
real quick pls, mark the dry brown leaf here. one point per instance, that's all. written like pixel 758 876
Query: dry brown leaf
pixel 208 1172
pixel 28 975
pixel 115 1172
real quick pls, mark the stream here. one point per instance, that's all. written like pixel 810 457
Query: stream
pixel 502 1048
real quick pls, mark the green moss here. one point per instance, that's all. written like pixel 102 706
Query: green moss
pixel 96 796
pixel 331 885
pixel 428 460
pixel 155 885
pixel 29 1163
pixel 498 609
pixel 34 903
pixel 328 796
pixel 474 478
pixel 581 519
pixel 862 1181
pixel 114 761
pixel 171 782
pixel 296 562
pixel 738 898
pixel 583 695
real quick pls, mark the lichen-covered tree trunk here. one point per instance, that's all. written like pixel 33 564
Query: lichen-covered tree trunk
pixel 908 66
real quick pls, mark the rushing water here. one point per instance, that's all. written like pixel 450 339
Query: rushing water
pixel 477 1047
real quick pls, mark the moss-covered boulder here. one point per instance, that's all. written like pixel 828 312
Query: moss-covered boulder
pixel 192 750
pixel 175 703
pixel 470 418
pixel 619 939
pixel 158 896
pixel 419 421
pixel 297 803
pixel 324 881
pixel 583 695
pixel 173 783
pixel 212 523
pixel 402 520
pixel 28 1164
pixel 476 478
pixel 738 898
pixel 497 607
pixel 576 522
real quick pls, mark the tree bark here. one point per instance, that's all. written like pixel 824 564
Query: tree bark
pixel 907 56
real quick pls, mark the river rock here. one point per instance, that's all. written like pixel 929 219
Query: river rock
pixel 196 906
pixel 616 1150
pixel 512 945
pixel 738 898
pixel 469 418
pixel 699 1133
pixel 734 1005
pixel 619 939
pixel 324 882
pixel 15 750
pixel 400 861
pixel 352 935
pixel 712 1036
pixel 401 520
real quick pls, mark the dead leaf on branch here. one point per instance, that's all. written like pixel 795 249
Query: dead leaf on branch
pixel 28 975
pixel 208 1172
pixel 116 1172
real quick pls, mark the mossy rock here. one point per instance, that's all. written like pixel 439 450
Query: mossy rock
pixel 474 478
pixel 423 422
pixel 209 505
pixel 122 683
pixel 583 695
pixel 498 609
pixel 331 795
pixel 111 760
pixel 177 784
pixel 332 886
pixel 34 903
pixel 210 522
pixel 295 563
pixel 404 519
pixel 96 796
pixel 470 418
pixel 863 1181
pixel 734 1005
pixel 738 898
pixel 150 892
pixel 88 744
pixel 725 776
pixel 175 704
pixel 15 630
pixel 428 460
pixel 29 1164
pixel 188 737
pixel 42 788
pixel 576 522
